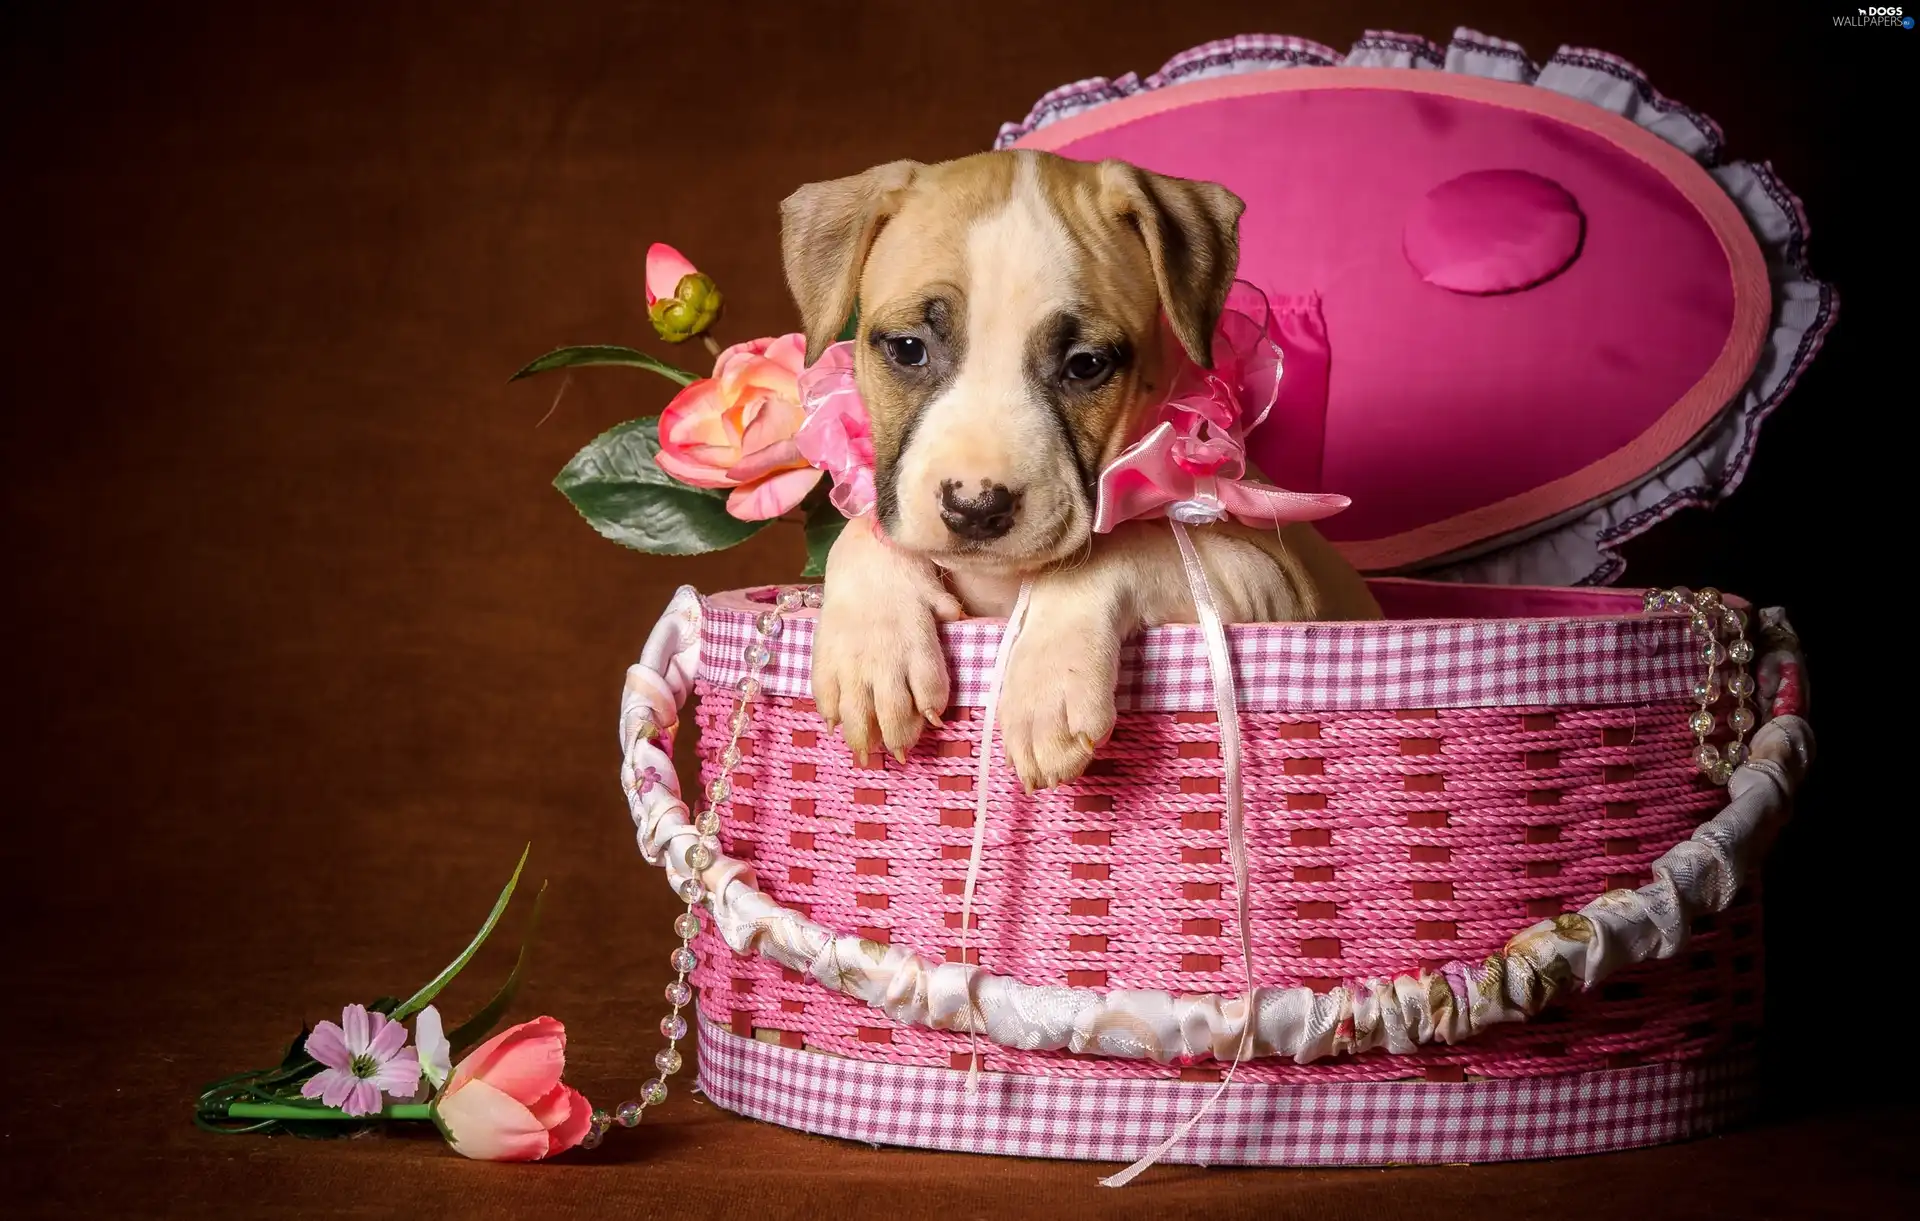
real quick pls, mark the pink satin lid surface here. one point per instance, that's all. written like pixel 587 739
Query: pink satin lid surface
pixel 1455 411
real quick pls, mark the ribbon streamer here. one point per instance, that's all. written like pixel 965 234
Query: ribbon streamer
pixel 1227 708
pixel 1226 700
pixel 983 771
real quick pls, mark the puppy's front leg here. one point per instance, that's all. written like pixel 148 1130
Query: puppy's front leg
pixel 1057 707
pixel 878 668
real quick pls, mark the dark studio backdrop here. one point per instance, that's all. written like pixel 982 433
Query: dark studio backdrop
pixel 302 646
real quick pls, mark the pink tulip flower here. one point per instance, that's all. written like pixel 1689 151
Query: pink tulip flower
pixel 505 1101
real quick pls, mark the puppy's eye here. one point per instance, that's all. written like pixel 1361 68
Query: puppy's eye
pixel 906 351
pixel 1088 366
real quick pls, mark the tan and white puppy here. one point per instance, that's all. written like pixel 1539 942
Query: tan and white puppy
pixel 1010 345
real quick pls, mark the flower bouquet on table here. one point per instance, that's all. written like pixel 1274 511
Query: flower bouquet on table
pixel 733 452
pixel 504 1099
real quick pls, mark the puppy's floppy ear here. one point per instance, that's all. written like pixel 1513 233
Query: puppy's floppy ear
pixel 1192 233
pixel 826 229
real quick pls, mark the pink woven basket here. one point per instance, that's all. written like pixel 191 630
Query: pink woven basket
pixel 1554 765
pixel 1426 794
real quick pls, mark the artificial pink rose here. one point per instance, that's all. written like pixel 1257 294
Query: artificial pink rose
pixel 736 428
pixel 505 1102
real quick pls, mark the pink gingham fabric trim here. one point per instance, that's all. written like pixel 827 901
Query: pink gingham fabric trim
pixel 1286 667
pixel 1111 1119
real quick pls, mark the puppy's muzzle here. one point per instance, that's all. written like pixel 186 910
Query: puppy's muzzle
pixel 980 518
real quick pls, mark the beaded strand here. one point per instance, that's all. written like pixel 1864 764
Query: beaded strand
pixel 705 851
pixel 1721 630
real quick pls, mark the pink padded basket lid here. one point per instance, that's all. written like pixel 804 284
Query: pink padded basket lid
pixel 1528 386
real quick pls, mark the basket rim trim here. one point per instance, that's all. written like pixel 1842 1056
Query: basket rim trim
pixel 1344 667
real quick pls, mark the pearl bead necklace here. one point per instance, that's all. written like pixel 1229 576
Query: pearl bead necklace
pixel 1721 631
pixel 701 856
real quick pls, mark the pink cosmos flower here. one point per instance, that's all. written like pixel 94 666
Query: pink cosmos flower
pixel 364 1056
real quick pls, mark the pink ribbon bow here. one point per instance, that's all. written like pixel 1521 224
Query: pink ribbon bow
pixel 837 436
pixel 1191 465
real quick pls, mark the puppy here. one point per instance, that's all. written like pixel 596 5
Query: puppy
pixel 1010 345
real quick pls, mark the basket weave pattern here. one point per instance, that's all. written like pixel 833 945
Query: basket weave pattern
pixel 1381 842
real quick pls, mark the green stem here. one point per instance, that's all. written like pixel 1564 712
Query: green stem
pixel 287 1110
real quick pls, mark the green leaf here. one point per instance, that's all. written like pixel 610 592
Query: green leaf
pixel 852 329
pixel 603 354
pixel 824 524
pixel 622 492
pixel 476 1027
pixel 421 999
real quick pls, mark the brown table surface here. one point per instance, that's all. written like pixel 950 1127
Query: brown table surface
pixel 304 647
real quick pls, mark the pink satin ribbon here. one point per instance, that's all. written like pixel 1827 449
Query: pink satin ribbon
pixel 1190 467
pixel 837 435
pixel 1191 464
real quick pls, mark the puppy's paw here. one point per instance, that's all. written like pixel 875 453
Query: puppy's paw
pixel 879 672
pixel 881 678
pixel 1057 708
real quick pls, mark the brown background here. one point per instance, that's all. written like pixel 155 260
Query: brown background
pixel 303 648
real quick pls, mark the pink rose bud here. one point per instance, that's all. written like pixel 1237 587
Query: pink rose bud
pixel 681 301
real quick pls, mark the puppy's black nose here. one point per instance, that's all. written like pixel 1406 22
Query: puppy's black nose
pixel 985 516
